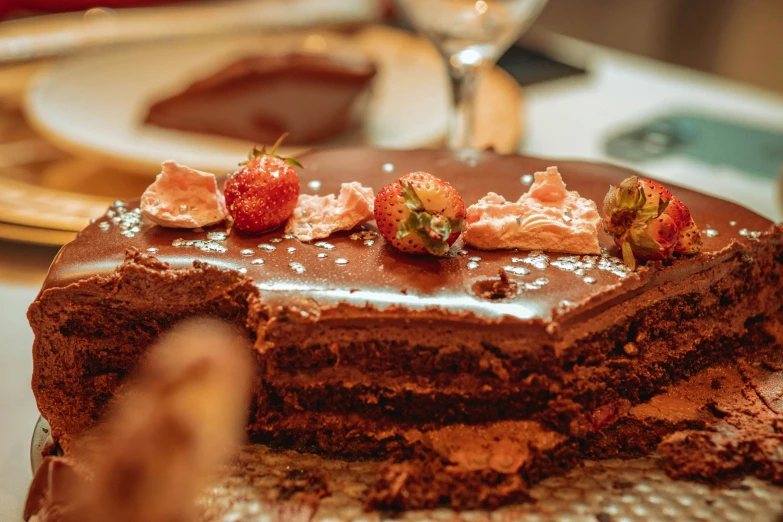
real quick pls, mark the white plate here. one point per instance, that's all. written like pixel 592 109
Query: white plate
pixel 93 105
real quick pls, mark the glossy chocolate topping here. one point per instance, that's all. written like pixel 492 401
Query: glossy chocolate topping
pixel 360 270
pixel 309 96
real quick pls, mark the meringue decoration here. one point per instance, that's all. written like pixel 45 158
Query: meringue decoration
pixel 548 217
pixel 181 197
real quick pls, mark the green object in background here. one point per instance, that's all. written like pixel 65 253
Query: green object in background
pixel 712 141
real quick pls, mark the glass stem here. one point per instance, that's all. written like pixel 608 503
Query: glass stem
pixel 462 124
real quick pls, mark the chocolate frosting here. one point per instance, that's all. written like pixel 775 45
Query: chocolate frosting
pixel 377 276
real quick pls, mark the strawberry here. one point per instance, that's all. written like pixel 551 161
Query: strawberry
pixel 648 222
pixel 263 193
pixel 420 213
pixel 689 237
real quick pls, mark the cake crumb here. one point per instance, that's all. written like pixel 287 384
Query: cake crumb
pixel 500 288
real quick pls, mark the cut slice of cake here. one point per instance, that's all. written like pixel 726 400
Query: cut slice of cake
pixel 312 97
pixel 359 346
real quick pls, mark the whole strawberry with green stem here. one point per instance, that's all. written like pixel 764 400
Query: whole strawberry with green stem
pixel 648 222
pixel 420 213
pixel 262 194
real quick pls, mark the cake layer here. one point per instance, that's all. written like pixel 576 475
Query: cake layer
pixel 468 378
pixel 398 338
pixel 281 421
pixel 731 414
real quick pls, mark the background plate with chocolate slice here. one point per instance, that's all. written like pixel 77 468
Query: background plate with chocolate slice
pixel 96 106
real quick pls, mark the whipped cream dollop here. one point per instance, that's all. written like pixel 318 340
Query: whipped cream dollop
pixel 548 217
pixel 317 217
pixel 181 197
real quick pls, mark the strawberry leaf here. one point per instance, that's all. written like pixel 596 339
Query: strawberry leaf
pixel 410 225
pixel 436 247
pixel 434 231
pixel 629 195
pixel 256 152
pixel 411 198
pixel 292 161
pixel 439 228
pixel 628 257
pixel 457 225
pixel 640 239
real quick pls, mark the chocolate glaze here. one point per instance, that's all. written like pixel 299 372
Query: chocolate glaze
pixel 378 276
pixel 258 98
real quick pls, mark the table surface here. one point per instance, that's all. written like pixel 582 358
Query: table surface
pixel 569 117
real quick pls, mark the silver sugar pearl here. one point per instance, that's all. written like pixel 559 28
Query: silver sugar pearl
pixel 750 234
pixel 217 236
pixel 709 232
pixel 565 305
pixel 516 270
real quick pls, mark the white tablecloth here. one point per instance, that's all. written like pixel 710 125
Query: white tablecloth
pixel 22 269
pixel 567 118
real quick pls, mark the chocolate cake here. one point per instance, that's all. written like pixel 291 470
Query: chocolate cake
pixel 363 351
pixel 735 404
pixel 311 97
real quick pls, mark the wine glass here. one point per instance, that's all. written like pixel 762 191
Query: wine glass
pixel 470 35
